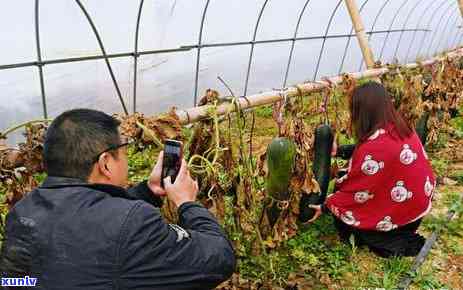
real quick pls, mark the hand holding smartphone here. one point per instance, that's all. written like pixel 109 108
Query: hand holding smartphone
pixel 185 189
pixel 172 160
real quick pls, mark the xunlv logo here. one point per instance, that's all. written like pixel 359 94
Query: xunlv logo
pixel 17 282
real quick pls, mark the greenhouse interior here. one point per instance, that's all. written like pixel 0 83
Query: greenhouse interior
pixel 320 144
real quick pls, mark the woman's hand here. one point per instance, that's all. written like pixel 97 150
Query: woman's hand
pixel 318 212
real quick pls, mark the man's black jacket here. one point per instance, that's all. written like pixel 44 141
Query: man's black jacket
pixel 72 235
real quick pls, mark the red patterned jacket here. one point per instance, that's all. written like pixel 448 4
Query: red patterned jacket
pixel 389 183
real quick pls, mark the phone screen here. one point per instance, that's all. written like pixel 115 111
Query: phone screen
pixel 172 159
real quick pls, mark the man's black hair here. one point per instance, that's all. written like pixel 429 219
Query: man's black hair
pixel 75 138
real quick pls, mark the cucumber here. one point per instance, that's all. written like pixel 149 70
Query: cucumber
pixel 422 127
pixel 281 154
pixel 322 157
pixel 321 168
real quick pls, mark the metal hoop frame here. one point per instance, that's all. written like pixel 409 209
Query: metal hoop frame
pixel 446 10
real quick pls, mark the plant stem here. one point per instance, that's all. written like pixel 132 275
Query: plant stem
pixel 19 126
pixel 150 134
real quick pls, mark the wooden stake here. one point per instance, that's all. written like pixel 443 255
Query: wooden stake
pixel 360 32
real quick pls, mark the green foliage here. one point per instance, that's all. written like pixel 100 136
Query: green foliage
pixel 452 201
pixel 331 186
pixel 264 111
pixel 344 139
pixel 458 176
pixel 363 81
pixel 40 177
pixel 389 273
pixel 454 244
pixel 2 225
pixel 314 251
pixel 141 162
pixel 432 223
pixel 457 124
pixel 2 194
pixel 440 166
pixel 427 281
pixel 442 141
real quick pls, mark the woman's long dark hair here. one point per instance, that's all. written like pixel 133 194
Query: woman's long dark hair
pixel 371 108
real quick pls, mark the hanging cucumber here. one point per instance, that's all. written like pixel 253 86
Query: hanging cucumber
pixel 422 127
pixel 322 157
pixel 281 153
pixel 321 168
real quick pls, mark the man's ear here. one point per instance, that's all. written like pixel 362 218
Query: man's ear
pixel 103 167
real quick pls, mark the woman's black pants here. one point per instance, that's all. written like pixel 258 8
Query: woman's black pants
pixel 403 241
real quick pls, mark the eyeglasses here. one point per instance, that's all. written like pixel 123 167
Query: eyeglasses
pixel 112 148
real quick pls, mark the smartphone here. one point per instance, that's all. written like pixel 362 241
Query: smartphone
pixel 172 160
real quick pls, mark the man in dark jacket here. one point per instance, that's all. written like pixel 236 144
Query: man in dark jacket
pixel 82 230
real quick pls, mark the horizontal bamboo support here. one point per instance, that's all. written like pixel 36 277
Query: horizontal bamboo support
pixel 198 113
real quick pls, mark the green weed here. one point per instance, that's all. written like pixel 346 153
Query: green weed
pixel 264 111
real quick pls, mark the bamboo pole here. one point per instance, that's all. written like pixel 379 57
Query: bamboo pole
pixel 460 3
pixel 360 32
pixel 199 113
